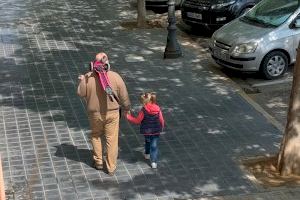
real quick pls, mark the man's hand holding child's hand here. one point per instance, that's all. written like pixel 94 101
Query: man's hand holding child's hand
pixel 127 114
pixel 81 77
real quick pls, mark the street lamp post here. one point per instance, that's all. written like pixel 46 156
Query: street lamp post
pixel 172 49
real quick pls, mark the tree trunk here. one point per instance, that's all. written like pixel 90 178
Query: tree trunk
pixel 141 17
pixel 289 154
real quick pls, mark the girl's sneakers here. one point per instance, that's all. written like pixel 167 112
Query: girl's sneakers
pixel 147 156
pixel 154 165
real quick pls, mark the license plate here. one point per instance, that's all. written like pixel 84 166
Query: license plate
pixel 194 15
pixel 221 54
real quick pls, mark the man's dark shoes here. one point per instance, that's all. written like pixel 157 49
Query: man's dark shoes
pixel 98 166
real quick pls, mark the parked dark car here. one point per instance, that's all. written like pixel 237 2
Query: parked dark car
pixel 213 13
pixel 160 3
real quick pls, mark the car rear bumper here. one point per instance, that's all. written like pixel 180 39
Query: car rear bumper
pixel 196 23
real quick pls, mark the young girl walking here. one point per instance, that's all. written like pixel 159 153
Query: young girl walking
pixel 151 123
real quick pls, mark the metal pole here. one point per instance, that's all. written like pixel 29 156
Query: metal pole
pixel 172 48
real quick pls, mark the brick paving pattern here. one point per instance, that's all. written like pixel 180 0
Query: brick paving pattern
pixel 44 132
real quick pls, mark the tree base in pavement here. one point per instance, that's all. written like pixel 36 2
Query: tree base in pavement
pixel 153 21
pixel 262 170
pixel 130 25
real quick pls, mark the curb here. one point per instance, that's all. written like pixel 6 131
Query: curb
pixel 257 107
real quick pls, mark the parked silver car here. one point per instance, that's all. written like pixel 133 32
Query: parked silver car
pixel 264 39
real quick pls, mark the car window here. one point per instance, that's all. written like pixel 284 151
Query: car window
pixel 272 13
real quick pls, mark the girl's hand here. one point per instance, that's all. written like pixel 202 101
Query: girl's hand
pixel 127 114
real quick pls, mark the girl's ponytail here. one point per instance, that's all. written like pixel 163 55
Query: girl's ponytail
pixel 145 98
pixel 153 97
pixel 148 97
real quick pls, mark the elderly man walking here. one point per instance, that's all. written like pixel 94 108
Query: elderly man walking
pixel 104 92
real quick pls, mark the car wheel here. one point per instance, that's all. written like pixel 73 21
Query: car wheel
pixel 244 11
pixel 274 65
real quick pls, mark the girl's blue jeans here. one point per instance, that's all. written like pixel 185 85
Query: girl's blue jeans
pixel 151 146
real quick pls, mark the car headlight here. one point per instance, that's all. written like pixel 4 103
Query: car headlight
pixel 221 5
pixel 245 48
pixel 212 42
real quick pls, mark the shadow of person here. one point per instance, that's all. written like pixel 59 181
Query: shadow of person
pixel 71 152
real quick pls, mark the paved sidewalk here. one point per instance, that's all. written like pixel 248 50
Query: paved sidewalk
pixel 44 142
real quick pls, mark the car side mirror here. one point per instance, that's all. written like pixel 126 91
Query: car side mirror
pixel 297 23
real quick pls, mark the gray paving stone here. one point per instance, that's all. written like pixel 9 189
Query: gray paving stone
pixel 38 195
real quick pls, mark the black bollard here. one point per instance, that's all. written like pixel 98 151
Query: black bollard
pixel 172 48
